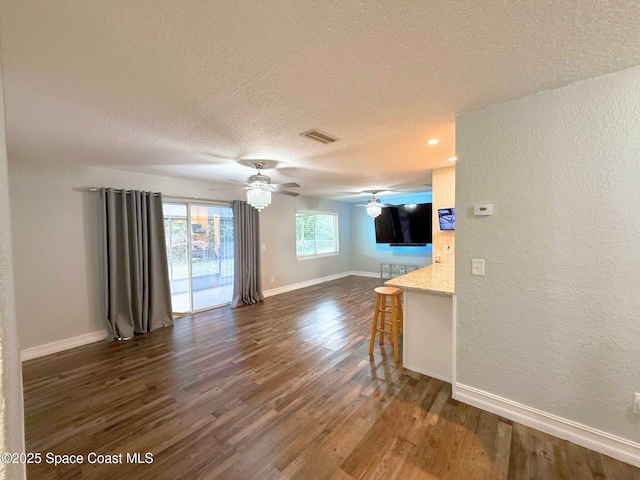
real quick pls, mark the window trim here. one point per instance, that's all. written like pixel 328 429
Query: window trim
pixel 336 216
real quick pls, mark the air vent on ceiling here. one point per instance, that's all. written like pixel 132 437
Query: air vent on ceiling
pixel 319 136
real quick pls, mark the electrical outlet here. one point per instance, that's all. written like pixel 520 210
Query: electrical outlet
pixel 273 279
pixel 636 403
pixel 446 249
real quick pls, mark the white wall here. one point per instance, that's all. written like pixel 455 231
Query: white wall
pixel 278 234
pixel 554 325
pixel 11 410
pixel 57 238
pixel 366 254
pixel 444 196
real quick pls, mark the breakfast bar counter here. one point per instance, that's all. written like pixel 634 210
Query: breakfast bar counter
pixel 435 278
pixel 428 320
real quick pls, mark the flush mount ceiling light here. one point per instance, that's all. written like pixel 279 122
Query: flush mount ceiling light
pixel 433 141
pixel 453 159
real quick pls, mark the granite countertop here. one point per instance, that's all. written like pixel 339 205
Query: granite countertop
pixel 435 278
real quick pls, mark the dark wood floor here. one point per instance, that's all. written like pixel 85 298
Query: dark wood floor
pixel 279 390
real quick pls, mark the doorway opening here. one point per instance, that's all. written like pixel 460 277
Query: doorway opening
pixel 200 254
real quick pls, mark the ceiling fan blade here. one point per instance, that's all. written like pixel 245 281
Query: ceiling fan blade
pixel 285 185
pixel 284 192
pixel 237 181
pixel 225 188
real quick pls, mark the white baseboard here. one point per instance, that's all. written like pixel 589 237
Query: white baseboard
pixel 605 443
pixel 308 283
pixel 366 274
pixel 59 346
pixel 315 281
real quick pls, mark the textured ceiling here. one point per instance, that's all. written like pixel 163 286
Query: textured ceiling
pixel 196 89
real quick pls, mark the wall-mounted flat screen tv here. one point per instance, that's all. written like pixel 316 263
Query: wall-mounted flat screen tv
pixel 404 225
pixel 447 217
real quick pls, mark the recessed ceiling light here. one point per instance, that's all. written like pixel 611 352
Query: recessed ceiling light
pixel 453 159
pixel 433 141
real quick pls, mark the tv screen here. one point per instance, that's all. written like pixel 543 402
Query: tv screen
pixel 447 217
pixel 404 225
pixel 385 225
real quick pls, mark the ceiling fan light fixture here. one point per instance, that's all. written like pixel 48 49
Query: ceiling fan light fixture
pixel 259 179
pixel 259 187
pixel 373 208
pixel 258 196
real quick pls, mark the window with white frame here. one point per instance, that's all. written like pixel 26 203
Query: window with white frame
pixel 316 234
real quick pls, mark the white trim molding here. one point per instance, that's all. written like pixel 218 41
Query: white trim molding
pixel 366 274
pixel 603 442
pixel 307 283
pixel 315 281
pixel 61 345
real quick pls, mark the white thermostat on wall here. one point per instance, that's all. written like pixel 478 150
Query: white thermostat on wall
pixel 483 209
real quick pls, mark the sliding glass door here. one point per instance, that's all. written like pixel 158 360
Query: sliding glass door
pixel 200 253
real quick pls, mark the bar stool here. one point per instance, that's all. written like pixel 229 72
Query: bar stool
pixel 393 325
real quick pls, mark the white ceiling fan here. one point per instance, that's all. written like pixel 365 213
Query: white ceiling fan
pixel 259 187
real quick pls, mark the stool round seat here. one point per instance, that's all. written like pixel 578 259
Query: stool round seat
pixel 388 290
pixel 391 326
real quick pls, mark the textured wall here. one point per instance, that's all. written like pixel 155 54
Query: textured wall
pixel 11 413
pixel 555 322
pixel 57 243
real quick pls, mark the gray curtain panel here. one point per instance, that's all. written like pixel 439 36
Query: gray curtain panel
pixel 136 273
pixel 247 285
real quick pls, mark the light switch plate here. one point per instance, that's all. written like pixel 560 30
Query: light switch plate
pixel 477 266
